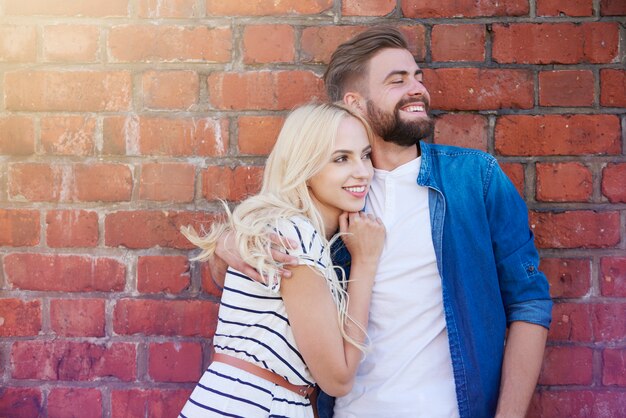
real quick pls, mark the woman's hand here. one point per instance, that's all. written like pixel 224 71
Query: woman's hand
pixel 364 236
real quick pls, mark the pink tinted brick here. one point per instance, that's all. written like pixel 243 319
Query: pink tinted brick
pixel 568 277
pixel 103 182
pixel 84 8
pixel 231 184
pixel 367 7
pixel 20 402
pixel 458 42
pixel 17 135
pixel 165 317
pixel 73 361
pixel 266 7
pixel 153 403
pixel 71 228
pixel 168 9
pixel 175 362
pixel 170 89
pixel 515 173
pixel 577 8
pixel 567 366
pixel 612 7
pixel 462 130
pixel 210 285
pixel 268 43
pixel 571 322
pixel 575 229
pixel 64 273
pixel 612 87
pixel 71 43
pixel 20 318
pixel 614 364
pixel 463 8
pixel 19 227
pixel 608 322
pixel 19 43
pixel 169 274
pixel 613 276
pixel 74 402
pixel 77 317
pixel 597 403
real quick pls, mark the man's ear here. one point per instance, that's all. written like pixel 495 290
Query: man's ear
pixel 355 101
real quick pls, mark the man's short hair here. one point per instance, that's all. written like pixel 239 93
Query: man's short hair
pixel 348 64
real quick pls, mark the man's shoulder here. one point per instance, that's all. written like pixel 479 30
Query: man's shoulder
pixel 440 151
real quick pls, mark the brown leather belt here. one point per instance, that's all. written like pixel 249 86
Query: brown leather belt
pixel 304 390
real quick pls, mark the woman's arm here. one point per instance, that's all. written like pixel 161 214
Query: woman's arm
pixel 313 314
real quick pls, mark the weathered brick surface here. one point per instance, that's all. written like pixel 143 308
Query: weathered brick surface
pixel 123 120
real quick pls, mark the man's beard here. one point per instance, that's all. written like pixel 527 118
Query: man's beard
pixel 390 127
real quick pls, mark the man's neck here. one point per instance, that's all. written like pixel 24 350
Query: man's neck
pixel 388 156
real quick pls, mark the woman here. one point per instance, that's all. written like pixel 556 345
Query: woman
pixel 274 342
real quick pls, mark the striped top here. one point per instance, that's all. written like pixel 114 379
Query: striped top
pixel 253 323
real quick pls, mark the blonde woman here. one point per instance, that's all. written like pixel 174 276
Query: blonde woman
pixel 275 341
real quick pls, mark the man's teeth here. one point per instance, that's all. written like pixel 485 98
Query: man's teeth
pixel 359 189
pixel 414 108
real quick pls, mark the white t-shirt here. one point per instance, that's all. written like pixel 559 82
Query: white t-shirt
pixel 408 370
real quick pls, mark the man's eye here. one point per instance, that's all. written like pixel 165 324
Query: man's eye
pixel 397 81
pixel 367 156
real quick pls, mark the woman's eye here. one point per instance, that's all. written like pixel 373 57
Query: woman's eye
pixel 341 159
pixel 367 156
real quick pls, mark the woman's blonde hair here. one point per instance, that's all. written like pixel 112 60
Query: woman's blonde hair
pixel 304 145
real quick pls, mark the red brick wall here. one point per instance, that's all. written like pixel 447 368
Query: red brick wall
pixel 122 120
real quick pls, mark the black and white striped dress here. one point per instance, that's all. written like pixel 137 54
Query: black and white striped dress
pixel 253 326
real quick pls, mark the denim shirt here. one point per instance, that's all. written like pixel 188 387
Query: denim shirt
pixel 488 266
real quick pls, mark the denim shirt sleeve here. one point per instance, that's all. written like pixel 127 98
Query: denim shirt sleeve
pixel 524 289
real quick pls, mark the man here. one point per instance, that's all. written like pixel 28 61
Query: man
pixel 459 265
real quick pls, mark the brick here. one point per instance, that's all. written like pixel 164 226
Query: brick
pixel 173 182
pixel 515 173
pixel 68 135
pixel 18 43
pixel 613 180
pixel 577 404
pixel 567 366
pixel 210 285
pixel 479 89
pixel 231 184
pixel 612 88
pixel 73 361
pixel 575 229
pixel 168 9
pixel 153 403
pixel 71 43
pixel 608 322
pixel 103 182
pixel 86 8
pixel 555 43
pixel 612 8
pixel 20 318
pixel 266 7
pixel 56 91
pixel 568 277
pixel 39 182
pixel 146 229
pixel 613 366
pixel 458 42
pixel 571 322
pixel 268 43
pixel 258 134
pixel 168 274
pixel 20 402
pixel 367 7
pixel 557 135
pixel 167 43
pixel 462 130
pixel 170 89
pixel 77 317
pixel 175 362
pixel 165 317
pixel 17 135
pixel 463 8
pixel 75 403
pixel 64 273
pixel 19 227
pixel 576 8
pixel 613 276
pixel 566 88
pixel 71 228
pixel 275 90
pixel 563 182
pixel 174 137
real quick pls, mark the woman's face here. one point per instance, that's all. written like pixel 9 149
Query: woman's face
pixel 343 182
